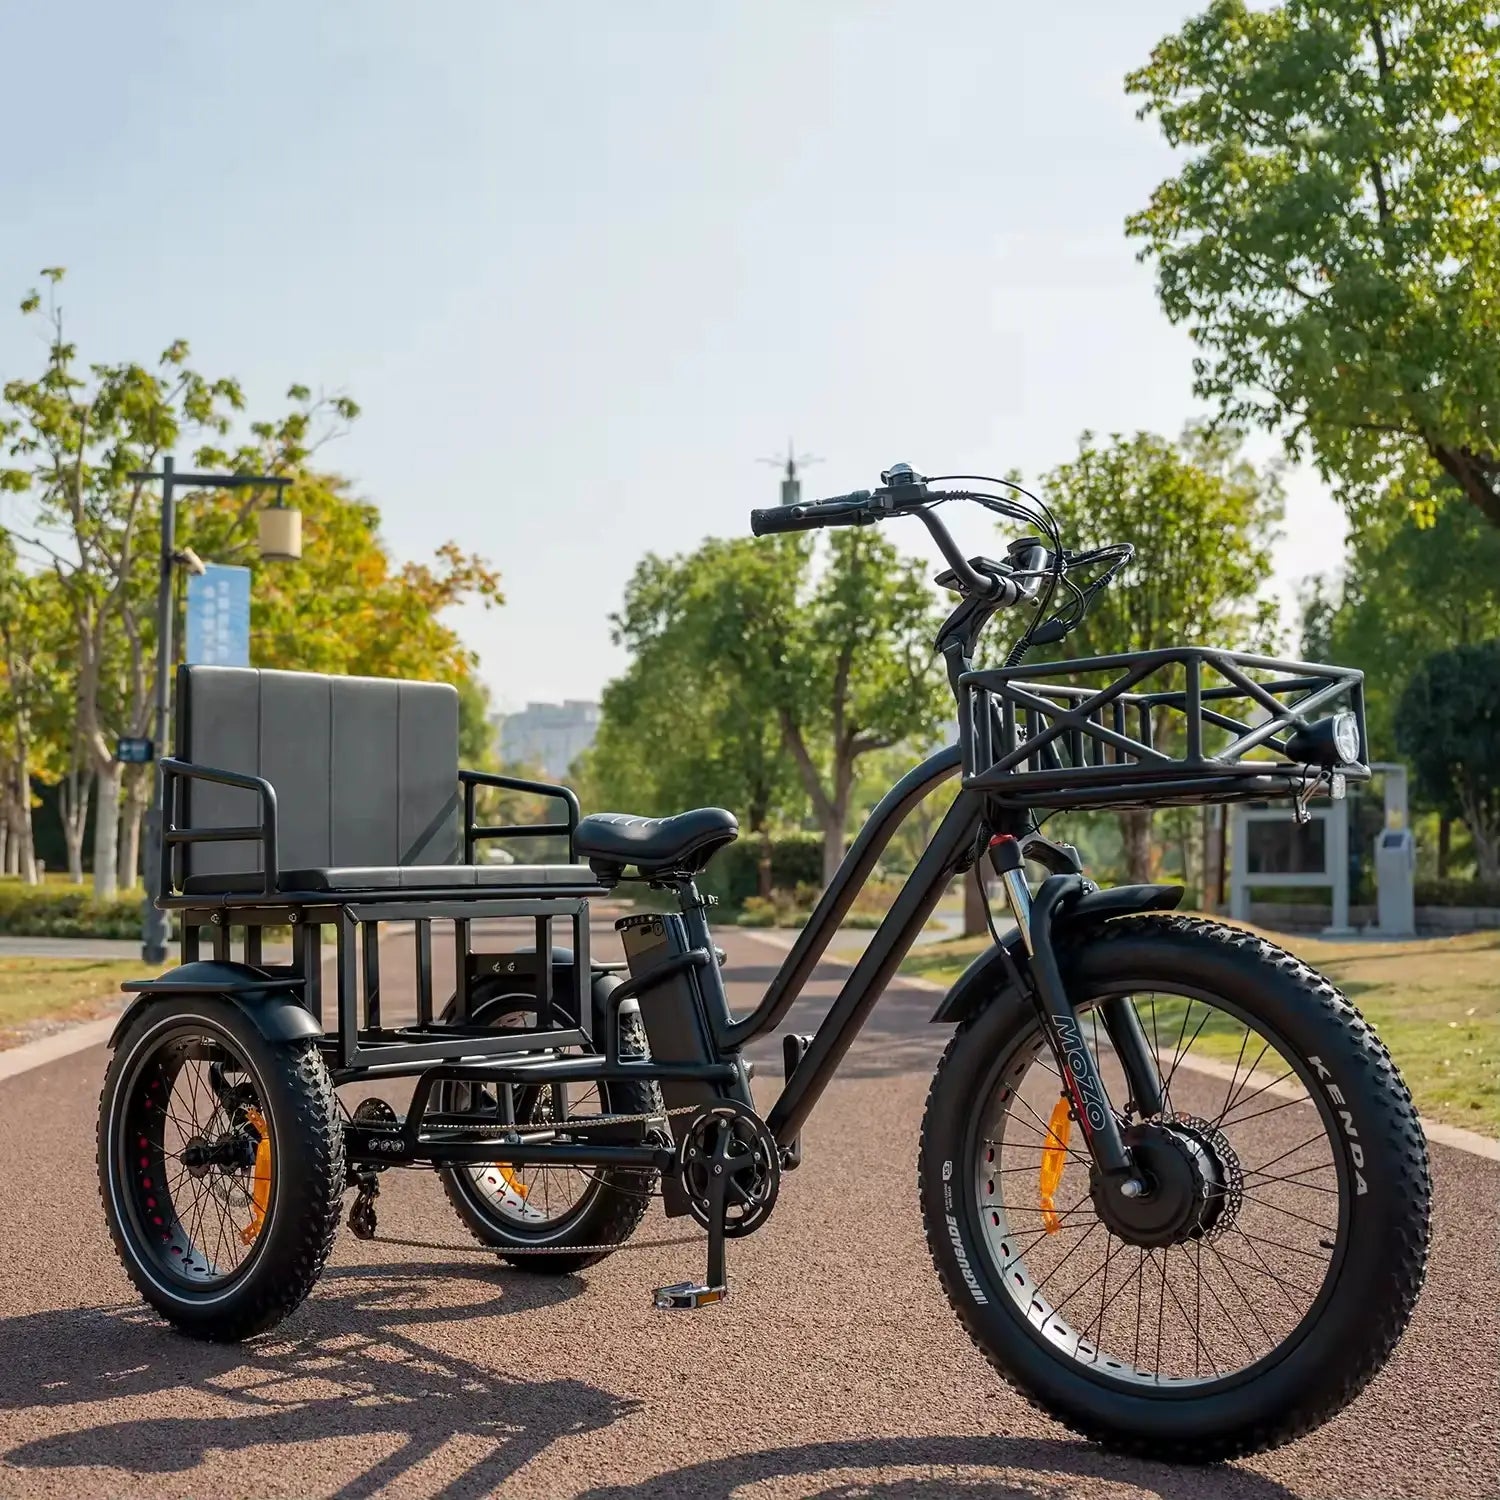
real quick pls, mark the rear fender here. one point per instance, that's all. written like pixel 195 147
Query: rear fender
pixel 270 1004
pixel 990 979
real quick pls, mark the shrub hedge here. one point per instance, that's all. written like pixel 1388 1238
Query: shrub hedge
pixel 52 910
pixel 1451 892
pixel 734 874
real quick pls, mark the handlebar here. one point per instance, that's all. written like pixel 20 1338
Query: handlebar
pixel 905 492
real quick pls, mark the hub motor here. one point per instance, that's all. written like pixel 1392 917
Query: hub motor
pixel 1193 1179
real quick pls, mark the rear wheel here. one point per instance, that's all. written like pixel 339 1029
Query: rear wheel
pixel 552 1220
pixel 1274 1260
pixel 221 1166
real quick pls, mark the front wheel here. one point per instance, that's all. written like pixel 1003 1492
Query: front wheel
pixel 1274 1260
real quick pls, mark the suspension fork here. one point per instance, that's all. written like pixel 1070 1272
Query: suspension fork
pixel 1075 1062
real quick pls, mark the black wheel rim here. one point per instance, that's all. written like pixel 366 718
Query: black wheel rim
pixel 1218 1308
pixel 195 1158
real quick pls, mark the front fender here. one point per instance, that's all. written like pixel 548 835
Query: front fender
pixel 271 1004
pixel 990 978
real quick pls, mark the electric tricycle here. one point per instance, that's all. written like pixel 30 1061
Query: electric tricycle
pixel 1172 1183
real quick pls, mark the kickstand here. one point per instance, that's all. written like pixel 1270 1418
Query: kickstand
pixel 686 1295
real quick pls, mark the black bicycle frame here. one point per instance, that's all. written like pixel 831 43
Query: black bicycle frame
pixel 951 846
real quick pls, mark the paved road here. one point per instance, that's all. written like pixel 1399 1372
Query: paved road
pixel 420 1367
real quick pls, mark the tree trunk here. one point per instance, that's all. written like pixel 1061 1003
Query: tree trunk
pixel 21 855
pixel 1135 829
pixel 1185 852
pixel 763 869
pixel 4 838
pixel 1445 845
pixel 106 830
pixel 73 803
pixel 833 844
pixel 1213 857
pixel 130 831
pixel 22 835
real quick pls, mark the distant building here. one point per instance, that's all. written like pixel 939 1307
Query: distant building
pixel 548 736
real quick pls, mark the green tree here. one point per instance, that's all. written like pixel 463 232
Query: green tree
pixel 758 659
pixel 1202 520
pixel 1448 726
pixel 1406 591
pixel 75 434
pixel 1331 241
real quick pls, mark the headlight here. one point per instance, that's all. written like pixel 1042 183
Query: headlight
pixel 1333 741
pixel 1346 737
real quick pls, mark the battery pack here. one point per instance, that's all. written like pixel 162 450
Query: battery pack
pixel 676 1027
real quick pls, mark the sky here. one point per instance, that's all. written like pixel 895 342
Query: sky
pixel 583 265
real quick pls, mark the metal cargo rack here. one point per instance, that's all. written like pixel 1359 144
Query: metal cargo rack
pixel 1183 724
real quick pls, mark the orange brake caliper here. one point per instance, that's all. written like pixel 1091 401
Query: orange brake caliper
pixel 1054 1159
pixel 260 1178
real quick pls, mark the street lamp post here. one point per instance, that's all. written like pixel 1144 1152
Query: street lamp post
pixel 154 926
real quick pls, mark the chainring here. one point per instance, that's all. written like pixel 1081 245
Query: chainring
pixel 754 1163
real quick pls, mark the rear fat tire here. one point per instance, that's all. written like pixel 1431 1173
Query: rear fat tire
pixel 1385 1251
pixel 615 1208
pixel 307 1147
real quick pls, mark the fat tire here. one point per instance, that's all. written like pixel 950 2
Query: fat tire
pixel 1384 1260
pixel 307 1146
pixel 617 1209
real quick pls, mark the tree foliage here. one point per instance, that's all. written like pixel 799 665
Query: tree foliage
pixel 1406 592
pixel 761 672
pixel 1449 728
pixel 1332 241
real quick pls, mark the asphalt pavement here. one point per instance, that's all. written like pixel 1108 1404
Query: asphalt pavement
pixel 420 1366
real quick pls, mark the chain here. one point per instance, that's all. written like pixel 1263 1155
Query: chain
pixel 590 1122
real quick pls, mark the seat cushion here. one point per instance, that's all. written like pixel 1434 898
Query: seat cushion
pixel 365 769
pixel 683 843
pixel 353 878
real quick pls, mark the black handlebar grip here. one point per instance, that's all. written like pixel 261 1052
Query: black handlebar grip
pixel 840 510
pixel 780 518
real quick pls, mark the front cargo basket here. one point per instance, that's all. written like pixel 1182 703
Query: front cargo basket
pixel 1180 725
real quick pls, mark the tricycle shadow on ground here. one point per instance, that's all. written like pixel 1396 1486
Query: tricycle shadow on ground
pixel 352 1368
pixel 1054 1468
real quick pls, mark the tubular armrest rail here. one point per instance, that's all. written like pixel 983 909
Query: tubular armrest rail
pixel 173 772
pixel 474 833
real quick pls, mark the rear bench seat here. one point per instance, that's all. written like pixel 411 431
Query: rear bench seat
pixel 367 786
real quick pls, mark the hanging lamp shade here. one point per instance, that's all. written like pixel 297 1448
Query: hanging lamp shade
pixel 280 534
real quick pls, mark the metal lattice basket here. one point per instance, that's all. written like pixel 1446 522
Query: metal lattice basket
pixel 1180 725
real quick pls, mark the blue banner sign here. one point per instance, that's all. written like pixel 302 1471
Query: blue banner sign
pixel 218 617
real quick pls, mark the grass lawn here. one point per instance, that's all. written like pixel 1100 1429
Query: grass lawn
pixel 1434 1001
pixel 33 990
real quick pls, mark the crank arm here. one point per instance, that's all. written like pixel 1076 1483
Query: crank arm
pixel 1075 1062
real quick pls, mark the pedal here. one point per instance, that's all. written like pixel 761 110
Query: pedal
pixel 687 1296
pixel 794 1047
pixel 362 1220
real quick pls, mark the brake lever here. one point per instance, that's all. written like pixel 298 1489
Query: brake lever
pixel 986 566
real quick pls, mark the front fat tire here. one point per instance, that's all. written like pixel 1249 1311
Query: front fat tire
pixel 308 1152
pixel 1385 1254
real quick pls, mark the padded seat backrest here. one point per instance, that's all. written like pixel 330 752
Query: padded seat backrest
pixel 365 768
